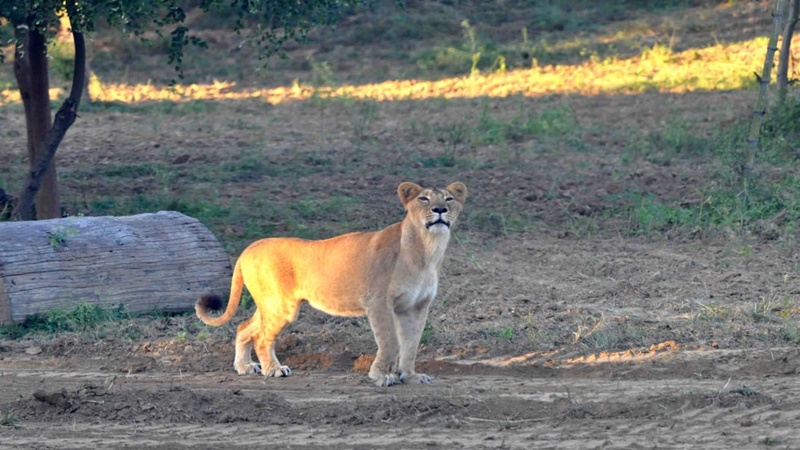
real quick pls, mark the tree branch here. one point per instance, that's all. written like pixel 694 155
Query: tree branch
pixel 785 52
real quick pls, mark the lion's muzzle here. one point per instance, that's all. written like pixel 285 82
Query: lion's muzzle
pixel 439 221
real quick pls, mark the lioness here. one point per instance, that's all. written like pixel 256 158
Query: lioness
pixel 391 276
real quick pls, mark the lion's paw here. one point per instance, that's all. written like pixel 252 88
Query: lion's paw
pixel 417 378
pixel 386 380
pixel 248 369
pixel 277 372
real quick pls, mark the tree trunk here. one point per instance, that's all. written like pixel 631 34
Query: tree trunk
pixel 31 72
pixel 761 103
pixel 65 117
pixel 784 57
pixel 42 182
pixel 147 262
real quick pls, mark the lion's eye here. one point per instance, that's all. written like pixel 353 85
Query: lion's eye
pixel 423 199
pixel 448 199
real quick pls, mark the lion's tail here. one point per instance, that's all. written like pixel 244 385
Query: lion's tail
pixel 213 302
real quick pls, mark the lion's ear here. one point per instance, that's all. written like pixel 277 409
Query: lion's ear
pixel 459 191
pixel 408 191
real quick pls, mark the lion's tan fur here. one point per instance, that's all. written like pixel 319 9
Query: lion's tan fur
pixel 390 276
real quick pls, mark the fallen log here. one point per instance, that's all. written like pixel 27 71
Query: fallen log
pixel 148 262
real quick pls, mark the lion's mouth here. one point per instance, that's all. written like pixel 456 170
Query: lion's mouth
pixel 438 221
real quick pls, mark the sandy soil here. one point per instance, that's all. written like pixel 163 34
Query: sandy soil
pixel 655 401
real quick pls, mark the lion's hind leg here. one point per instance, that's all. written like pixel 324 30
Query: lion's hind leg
pixel 272 322
pixel 245 334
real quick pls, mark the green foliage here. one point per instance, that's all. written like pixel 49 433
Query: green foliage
pixel 505 333
pixel 83 317
pixel 427 334
pixel 8 419
pixel 650 215
pixel 727 199
pixel 471 56
pixel 61 60
pixel 366 114
pixel 790 332
pixel 497 222
pixel 265 24
pixel 58 236
pixel 678 138
pixel 322 73
pixel 733 206
pixel 257 219
pixel 780 133
pixel 130 170
pixel 552 122
pixel 142 203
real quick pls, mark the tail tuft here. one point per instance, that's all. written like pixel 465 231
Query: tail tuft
pixel 212 302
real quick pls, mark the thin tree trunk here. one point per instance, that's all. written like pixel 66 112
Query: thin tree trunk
pixel 761 104
pixel 42 164
pixel 784 56
pixel 31 71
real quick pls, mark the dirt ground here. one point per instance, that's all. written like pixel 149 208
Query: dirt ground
pixel 651 403
pixel 696 388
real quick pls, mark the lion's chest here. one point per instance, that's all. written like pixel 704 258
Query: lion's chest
pixel 415 289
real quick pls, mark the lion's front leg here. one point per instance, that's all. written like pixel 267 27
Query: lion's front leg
pixel 410 324
pixel 384 369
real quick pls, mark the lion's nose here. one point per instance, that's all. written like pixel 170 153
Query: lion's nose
pixel 439 210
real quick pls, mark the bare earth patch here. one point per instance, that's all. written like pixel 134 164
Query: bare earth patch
pixel 653 403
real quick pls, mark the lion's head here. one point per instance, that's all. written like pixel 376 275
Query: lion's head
pixel 434 210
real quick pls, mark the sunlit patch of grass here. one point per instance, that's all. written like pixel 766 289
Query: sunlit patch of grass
pixel 718 67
